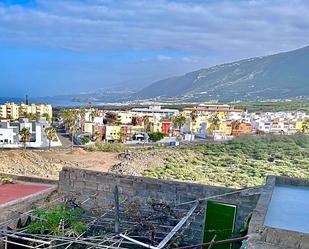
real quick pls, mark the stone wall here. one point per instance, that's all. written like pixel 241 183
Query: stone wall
pixel 85 183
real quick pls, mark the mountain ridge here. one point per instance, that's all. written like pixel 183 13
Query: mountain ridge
pixel 282 75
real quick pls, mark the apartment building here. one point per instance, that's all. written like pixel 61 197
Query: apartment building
pixel 155 111
pixel 15 111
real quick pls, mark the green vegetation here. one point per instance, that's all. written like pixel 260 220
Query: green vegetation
pixel 25 136
pixel 243 162
pixel 156 136
pixel 4 179
pixel 179 121
pixel 86 140
pixel 51 135
pixel 106 147
pixel 58 221
pixel 273 106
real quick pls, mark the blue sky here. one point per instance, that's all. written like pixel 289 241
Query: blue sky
pixel 51 47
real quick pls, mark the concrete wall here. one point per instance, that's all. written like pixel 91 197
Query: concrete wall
pixel 263 237
pixel 14 209
pixel 85 183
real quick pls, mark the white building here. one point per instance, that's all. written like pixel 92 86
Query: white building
pixel 10 138
pixel 8 134
pixel 155 111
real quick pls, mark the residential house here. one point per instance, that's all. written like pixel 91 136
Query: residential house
pixel 112 133
pixel 240 128
pixel 10 138
pixel 166 126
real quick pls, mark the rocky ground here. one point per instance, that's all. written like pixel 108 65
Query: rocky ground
pixel 48 163
pixel 139 161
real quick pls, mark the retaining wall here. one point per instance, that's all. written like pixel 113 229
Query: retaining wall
pixel 85 183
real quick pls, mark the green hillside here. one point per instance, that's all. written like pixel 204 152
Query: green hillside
pixel 243 162
pixel 279 76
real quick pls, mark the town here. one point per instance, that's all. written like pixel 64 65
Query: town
pixel 201 124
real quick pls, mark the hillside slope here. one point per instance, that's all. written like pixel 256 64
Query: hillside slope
pixel 278 76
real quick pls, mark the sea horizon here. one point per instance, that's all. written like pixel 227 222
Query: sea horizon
pixel 40 100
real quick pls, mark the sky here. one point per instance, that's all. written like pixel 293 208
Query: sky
pixel 52 47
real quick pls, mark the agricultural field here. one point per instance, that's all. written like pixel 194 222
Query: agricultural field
pixel 273 106
pixel 243 162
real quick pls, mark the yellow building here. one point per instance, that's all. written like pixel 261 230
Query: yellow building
pixel 196 125
pixel 299 126
pixel 15 111
pixel 155 126
pixel 125 117
pixel 112 132
pixel 134 128
pixel 222 128
pixel 12 111
pixel 3 113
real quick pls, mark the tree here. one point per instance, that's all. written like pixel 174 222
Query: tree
pixel 179 121
pixel 194 115
pixel 25 136
pixel 214 123
pixel 73 129
pixel 46 116
pixel 97 135
pixel 146 123
pixel 156 136
pixel 82 113
pixel 51 135
pixel 32 116
pixel 67 116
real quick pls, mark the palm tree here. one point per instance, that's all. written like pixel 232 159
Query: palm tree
pixel 73 129
pixel 50 133
pixel 82 113
pixel 146 123
pixel 25 136
pixel 46 116
pixel 179 121
pixel 214 123
pixel 66 116
pixel 97 135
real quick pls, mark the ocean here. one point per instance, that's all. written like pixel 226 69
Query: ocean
pixel 49 100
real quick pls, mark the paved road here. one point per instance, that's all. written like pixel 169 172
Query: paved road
pixel 64 138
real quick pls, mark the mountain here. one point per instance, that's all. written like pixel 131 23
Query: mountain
pixel 279 76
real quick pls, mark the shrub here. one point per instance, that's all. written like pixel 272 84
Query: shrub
pixel 5 179
pixel 243 162
pixel 86 140
pixel 50 221
pixel 156 136
pixel 106 147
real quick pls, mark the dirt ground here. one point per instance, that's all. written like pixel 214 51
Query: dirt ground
pixel 49 163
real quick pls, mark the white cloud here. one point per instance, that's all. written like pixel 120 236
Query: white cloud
pixel 239 28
